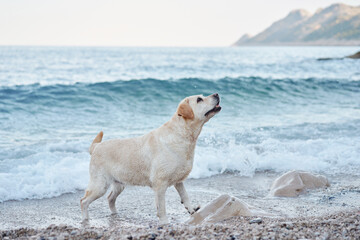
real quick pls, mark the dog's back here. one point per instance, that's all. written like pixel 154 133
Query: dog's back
pixel 122 160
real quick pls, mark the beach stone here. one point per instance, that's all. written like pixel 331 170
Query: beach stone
pixel 354 56
pixel 100 235
pixel 293 183
pixel 152 236
pixel 256 220
pixel 326 236
pixel 288 225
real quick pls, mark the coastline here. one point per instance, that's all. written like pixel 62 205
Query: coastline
pixel 333 211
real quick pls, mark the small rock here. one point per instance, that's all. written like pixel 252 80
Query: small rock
pixel 256 220
pixel 152 236
pixel 232 237
pixel 354 56
pixel 172 233
pixel 74 232
pixel 289 225
pixel 51 226
pixel 62 226
pixel 326 236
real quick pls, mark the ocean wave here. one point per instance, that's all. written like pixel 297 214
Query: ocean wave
pixel 155 89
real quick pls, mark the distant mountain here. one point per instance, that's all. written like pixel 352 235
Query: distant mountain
pixel 338 24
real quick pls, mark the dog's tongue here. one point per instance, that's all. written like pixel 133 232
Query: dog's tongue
pixel 218 105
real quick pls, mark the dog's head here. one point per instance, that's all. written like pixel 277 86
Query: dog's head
pixel 199 107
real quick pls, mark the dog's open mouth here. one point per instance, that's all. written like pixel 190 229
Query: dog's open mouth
pixel 216 109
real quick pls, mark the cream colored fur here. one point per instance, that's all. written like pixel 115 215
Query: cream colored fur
pixel 160 159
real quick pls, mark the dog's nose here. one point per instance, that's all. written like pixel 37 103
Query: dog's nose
pixel 216 95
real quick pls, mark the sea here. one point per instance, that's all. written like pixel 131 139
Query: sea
pixel 282 109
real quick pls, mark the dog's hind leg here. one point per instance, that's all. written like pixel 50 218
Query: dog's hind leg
pixel 185 198
pixel 116 189
pixel 96 189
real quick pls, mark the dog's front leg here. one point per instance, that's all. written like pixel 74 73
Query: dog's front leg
pixel 185 198
pixel 160 204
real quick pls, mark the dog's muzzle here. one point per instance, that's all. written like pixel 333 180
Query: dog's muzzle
pixel 217 107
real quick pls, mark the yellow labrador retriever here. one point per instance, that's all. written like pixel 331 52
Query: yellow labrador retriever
pixel 159 159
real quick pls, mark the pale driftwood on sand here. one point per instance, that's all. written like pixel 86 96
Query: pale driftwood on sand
pixel 294 183
pixel 222 208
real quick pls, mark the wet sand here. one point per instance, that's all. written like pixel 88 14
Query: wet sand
pixel 333 211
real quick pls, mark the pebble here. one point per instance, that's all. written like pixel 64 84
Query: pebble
pixel 288 225
pixel 100 234
pixel 326 236
pixel 256 220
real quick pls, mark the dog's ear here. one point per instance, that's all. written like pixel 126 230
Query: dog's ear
pixel 185 111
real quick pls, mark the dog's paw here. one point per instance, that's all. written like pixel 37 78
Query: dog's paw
pixel 197 208
pixel 193 210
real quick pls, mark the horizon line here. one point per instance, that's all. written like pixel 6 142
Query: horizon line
pixel 134 46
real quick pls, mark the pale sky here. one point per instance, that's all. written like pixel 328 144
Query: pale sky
pixel 141 22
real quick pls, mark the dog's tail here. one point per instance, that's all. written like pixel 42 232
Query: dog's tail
pixel 97 140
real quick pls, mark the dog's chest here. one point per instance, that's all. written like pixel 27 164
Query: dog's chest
pixel 177 161
pixel 182 171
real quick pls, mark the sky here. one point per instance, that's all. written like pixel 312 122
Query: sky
pixel 142 22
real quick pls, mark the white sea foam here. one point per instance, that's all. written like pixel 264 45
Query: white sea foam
pixel 321 155
pixel 62 168
pixel 45 174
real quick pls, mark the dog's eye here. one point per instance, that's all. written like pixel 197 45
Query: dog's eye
pixel 199 99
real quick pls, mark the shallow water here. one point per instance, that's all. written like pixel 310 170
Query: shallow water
pixel 282 109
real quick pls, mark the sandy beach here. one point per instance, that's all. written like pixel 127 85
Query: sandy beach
pixel 332 213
